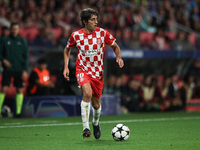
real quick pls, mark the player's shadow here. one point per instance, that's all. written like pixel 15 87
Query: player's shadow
pixel 102 142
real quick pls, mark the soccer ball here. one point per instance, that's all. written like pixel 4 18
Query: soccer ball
pixel 6 111
pixel 120 132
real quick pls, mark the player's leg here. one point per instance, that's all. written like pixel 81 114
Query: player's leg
pixel 19 84
pixel 96 110
pixel 96 115
pixel 97 87
pixel 6 78
pixel 19 101
pixel 85 108
pixel 2 95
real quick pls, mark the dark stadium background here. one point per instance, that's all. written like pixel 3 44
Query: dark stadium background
pixel 150 28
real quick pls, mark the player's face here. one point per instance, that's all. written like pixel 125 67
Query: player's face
pixel 43 66
pixel 15 30
pixel 92 23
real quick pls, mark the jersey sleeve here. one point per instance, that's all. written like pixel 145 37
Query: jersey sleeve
pixel 71 42
pixel 109 39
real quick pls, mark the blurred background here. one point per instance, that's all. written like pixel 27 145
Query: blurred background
pixel 159 41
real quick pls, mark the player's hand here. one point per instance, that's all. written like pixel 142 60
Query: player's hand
pixel 51 84
pixel 66 73
pixel 120 62
pixel 24 75
pixel 7 63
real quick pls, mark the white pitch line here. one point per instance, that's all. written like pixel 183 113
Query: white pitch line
pixel 51 121
pixel 102 122
pixel 14 123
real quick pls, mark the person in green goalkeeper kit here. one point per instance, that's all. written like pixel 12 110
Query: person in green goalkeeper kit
pixel 14 57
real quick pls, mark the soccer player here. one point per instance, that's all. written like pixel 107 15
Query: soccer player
pixel 90 42
pixel 14 56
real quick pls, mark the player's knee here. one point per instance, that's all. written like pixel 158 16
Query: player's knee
pixel 87 95
pixel 19 90
pixel 96 105
pixel 4 89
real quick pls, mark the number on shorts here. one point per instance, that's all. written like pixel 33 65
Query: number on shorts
pixel 80 76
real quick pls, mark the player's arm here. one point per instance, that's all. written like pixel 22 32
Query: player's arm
pixel 67 51
pixel 2 59
pixel 117 52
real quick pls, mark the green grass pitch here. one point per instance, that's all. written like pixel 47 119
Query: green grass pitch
pixel 148 131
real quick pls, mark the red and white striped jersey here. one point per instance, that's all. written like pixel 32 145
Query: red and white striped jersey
pixel 91 49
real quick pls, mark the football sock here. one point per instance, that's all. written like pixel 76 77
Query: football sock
pixel 19 102
pixel 85 113
pixel 96 116
pixel 2 97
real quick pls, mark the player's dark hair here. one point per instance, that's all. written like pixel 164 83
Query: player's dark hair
pixel 86 14
pixel 13 24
